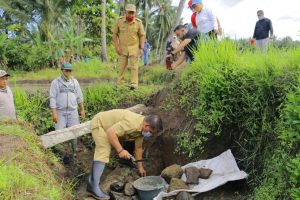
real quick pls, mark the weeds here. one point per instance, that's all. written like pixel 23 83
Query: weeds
pixel 240 95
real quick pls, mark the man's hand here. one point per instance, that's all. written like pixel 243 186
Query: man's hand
pixel 142 171
pixel 55 118
pixel 82 114
pixel 173 66
pixel 216 31
pixel 141 52
pixel 124 154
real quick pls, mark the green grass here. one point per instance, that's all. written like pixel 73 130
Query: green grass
pixel 29 172
pixel 93 69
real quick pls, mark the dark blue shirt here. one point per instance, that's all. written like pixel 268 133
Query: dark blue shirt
pixel 189 49
pixel 262 29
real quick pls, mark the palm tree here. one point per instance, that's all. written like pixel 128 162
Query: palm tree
pixel 103 32
pixel 145 6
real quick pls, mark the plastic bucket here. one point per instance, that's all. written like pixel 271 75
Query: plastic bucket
pixel 149 187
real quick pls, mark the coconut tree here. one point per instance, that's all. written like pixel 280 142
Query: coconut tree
pixel 103 32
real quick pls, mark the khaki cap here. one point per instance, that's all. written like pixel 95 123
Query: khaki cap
pixel 130 7
pixel 3 73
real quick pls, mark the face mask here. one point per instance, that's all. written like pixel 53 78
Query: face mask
pixel 260 17
pixel 147 134
pixel 129 18
pixel 193 10
pixel 198 7
pixel 66 76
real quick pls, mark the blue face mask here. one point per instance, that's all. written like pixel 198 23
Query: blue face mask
pixel 147 134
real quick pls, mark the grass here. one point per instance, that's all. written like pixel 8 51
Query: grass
pixel 29 172
pixel 93 69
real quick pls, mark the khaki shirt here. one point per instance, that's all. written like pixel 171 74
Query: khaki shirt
pixel 126 124
pixel 129 34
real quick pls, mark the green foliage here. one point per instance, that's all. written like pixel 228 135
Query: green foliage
pixel 82 70
pixel 238 94
pixel 156 75
pixel 26 174
pixel 34 109
pixel 106 96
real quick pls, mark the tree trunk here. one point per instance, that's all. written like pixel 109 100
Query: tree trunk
pixel 56 137
pixel 146 15
pixel 175 23
pixel 103 32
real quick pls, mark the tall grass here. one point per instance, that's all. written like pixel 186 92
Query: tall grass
pixel 238 95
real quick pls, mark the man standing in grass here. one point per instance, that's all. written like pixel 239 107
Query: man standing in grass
pixel 65 96
pixel 146 52
pixel 129 38
pixel 7 106
pixel 261 32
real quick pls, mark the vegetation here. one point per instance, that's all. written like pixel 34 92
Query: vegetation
pixel 252 99
pixel 19 177
pixel 230 91
pixel 34 108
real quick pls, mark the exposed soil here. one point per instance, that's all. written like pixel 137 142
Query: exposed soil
pixel 160 152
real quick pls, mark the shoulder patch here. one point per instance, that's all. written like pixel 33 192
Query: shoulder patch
pixel 137 19
pixel 122 17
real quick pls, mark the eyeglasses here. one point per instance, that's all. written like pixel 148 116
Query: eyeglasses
pixel 68 70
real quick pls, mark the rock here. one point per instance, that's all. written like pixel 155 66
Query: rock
pixel 134 198
pixel 205 173
pixel 173 171
pixel 118 196
pixel 184 196
pixel 118 174
pixel 117 186
pixel 129 189
pixel 177 184
pixel 192 174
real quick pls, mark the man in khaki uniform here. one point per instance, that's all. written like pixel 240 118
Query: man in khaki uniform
pixel 110 126
pixel 129 38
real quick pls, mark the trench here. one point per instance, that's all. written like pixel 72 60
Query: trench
pixel 159 154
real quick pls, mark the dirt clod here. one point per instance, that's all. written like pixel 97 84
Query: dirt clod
pixel 117 186
pixel 129 189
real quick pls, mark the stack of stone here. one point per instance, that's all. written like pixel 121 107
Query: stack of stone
pixel 173 173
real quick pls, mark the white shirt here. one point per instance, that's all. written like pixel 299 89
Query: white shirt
pixel 206 20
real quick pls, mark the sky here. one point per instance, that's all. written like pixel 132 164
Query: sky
pixel 238 17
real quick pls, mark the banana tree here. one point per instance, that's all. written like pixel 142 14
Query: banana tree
pixel 3 47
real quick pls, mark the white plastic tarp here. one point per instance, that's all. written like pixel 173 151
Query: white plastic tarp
pixel 224 169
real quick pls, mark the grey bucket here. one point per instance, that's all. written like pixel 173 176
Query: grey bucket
pixel 149 187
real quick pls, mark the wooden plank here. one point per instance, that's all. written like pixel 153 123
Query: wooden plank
pixel 56 137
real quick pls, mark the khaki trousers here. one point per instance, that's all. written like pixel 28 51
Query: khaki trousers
pixel 103 147
pixel 133 63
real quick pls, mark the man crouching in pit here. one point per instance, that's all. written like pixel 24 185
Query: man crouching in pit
pixel 110 126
